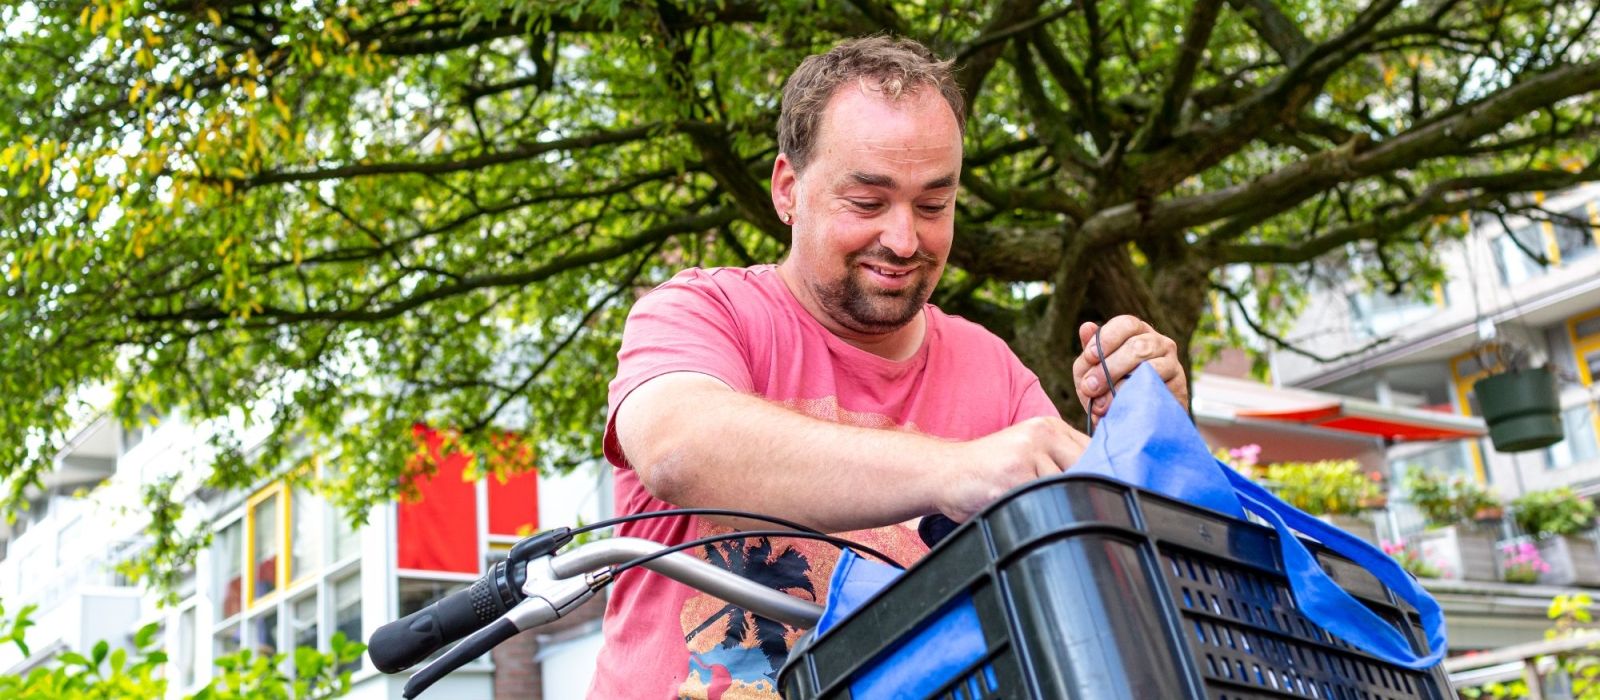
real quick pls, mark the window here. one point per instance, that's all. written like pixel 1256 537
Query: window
pixel 1581 423
pixel 303 615
pixel 1580 443
pixel 346 539
pixel 347 611
pixel 1584 331
pixel 228 641
pixel 185 648
pixel 264 633
pixel 1575 234
pixel 1464 371
pixel 305 536
pixel 227 560
pixel 1514 262
pixel 265 540
pixel 1378 313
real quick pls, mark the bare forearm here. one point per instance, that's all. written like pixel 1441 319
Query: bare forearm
pixel 699 444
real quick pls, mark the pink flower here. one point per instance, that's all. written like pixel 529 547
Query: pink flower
pixel 1246 455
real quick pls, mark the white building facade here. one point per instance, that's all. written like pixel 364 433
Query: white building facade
pixel 284 568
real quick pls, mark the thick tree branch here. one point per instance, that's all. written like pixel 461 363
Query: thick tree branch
pixel 1196 35
pixel 453 164
pixel 749 195
pixel 1286 187
pixel 971 72
pixel 1442 198
pixel 1050 122
pixel 1269 23
pixel 1008 253
pixel 362 314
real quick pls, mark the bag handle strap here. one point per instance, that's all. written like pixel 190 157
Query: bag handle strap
pixel 1330 606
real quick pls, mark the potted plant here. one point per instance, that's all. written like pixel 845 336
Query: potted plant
pixel 1556 518
pixel 1520 406
pixel 1461 516
pixel 1335 490
pixel 1520 562
pixel 1412 561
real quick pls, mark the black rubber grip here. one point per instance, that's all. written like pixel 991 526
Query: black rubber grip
pixel 475 646
pixel 935 528
pixel 399 645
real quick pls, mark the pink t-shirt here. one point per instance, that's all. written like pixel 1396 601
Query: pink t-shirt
pixel 744 327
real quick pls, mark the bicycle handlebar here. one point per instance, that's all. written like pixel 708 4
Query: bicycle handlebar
pixel 695 573
pixel 495 608
pixel 402 643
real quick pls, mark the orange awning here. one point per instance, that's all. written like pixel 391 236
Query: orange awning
pixel 1367 418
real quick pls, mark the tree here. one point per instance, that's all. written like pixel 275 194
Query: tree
pixel 137 672
pixel 345 217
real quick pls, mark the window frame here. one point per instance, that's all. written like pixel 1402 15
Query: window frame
pixel 1463 388
pixel 1584 345
pixel 281 566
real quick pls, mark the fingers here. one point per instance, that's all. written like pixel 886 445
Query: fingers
pixel 1065 447
pixel 1127 342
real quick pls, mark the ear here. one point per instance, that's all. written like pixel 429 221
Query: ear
pixel 784 180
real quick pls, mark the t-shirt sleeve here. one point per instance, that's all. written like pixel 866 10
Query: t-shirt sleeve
pixel 685 325
pixel 1031 401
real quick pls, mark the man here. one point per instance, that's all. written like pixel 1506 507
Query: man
pixel 825 389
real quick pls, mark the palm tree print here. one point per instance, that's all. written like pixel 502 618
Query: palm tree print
pixel 785 572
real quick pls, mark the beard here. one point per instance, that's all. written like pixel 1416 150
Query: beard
pixel 864 308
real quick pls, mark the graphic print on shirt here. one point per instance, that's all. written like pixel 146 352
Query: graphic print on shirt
pixel 736 655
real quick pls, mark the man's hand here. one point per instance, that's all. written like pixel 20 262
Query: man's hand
pixel 1127 342
pixel 982 470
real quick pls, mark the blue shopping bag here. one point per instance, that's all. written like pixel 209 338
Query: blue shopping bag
pixel 1148 440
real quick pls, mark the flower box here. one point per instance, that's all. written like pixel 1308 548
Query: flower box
pixel 1459 552
pixel 1357 525
pixel 1573 560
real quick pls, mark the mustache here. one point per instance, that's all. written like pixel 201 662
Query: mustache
pixel 884 255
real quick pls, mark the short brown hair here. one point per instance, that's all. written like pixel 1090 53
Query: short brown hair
pixel 894 67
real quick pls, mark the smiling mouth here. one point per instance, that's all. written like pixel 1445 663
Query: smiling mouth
pixel 887 272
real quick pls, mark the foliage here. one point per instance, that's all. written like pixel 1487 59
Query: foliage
pixel 341 218
pixel 1410 560
pixel 121 674
pixel 1553 512
pixel 1326 487
pixel 1456 501
pixel 1520 562
pixel 1572 614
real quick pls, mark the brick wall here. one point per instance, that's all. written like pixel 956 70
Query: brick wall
pixel 516 675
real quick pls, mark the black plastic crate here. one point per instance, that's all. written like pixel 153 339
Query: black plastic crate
pixel 1085 587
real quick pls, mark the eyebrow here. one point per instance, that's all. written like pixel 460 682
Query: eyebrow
pixel 884 181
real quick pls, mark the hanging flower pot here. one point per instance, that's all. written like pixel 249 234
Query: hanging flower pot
pixel 1521 408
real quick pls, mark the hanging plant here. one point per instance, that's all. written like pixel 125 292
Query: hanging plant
pixel 1521 406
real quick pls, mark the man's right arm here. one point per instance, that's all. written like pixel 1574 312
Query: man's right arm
pixel 694 442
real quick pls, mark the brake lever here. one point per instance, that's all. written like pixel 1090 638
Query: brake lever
pixel 549 599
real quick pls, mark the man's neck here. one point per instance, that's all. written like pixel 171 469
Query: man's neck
pixel 897 345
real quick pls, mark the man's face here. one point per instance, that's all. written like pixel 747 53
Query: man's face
pixel 874 209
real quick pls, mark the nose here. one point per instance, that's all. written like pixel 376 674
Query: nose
pixel 900 232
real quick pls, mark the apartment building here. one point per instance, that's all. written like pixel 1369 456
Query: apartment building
pixel 1529 283
pixel 284 568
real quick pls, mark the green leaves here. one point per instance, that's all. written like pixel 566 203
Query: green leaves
pixel 137 674
pixel 341 222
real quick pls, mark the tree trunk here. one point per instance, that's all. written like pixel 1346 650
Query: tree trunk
pixel 1097 286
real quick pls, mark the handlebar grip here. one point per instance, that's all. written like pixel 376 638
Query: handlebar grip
pixel 934 528
pixel 399 645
